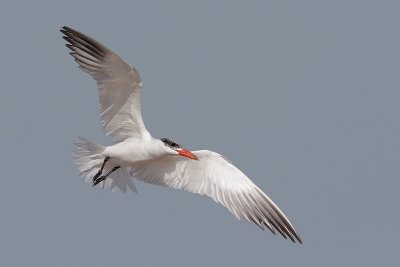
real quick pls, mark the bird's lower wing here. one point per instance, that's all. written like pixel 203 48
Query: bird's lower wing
pixel 212 175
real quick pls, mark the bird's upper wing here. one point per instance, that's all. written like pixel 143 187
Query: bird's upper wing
pixel 212 175
pixel 119 85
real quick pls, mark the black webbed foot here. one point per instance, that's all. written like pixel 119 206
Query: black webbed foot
pixel 97 175
pixel 98 180
pixel 102 178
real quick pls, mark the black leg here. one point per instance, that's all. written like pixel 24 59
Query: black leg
pixel 102 178
pixel 101 169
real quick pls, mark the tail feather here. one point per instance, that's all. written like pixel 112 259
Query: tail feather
pixel 88 156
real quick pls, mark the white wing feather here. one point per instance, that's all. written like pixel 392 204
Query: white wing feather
pixel 119 86
pixel 212 175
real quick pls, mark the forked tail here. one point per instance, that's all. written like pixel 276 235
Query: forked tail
pixel 88 156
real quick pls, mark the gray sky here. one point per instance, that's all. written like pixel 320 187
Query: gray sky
pixel 303 96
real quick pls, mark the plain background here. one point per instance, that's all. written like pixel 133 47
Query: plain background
pixel 303 96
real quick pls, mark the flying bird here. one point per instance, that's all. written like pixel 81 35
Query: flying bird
pixel 137 155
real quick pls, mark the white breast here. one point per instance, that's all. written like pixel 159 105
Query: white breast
pixel 132 150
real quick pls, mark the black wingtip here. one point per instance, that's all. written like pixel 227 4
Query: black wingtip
pixel 64 29
pixel 299 239
pixel 84 42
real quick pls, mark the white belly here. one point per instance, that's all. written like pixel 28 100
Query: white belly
pixel 129 152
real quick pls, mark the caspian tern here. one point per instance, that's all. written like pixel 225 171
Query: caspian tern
pixel 136 154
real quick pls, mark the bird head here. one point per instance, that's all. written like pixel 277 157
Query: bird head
pixel 178 149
